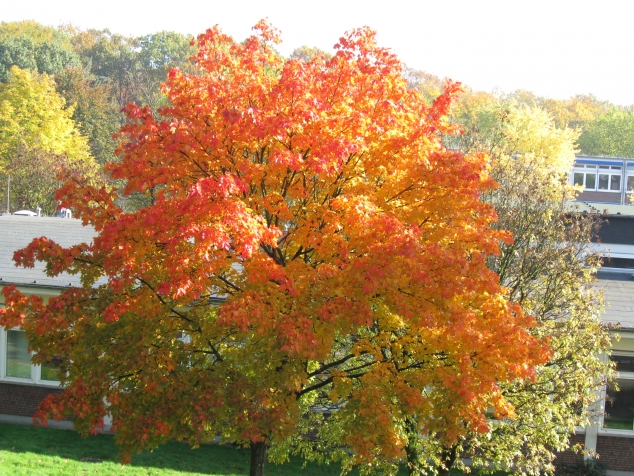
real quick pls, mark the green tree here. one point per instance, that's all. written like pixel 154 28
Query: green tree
pixel 29 45
pixel 160 52
pixel 111 57
pixel 611 135
pixel 134 67
pixel 95 112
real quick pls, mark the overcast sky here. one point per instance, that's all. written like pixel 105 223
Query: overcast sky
pixel 556 48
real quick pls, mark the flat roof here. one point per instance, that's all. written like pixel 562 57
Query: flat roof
pixel 608 209
pixel 17 232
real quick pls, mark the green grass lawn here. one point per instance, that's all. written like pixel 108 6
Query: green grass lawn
pixel 26 450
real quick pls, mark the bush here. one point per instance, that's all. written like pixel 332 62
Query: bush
pixel 590 467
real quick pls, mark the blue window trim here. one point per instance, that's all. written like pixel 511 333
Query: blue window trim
pixel 601 162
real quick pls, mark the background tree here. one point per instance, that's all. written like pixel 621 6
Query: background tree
pixel 574 112
pixel 49 50
pixel 430 85
pixel 95 112
pixel 307 53
pixel 29 45
pixel 36 32
pixel 35 177
pixel 134 67
pixel 611 135
pixel 159 53
pixel 34 125
pixel 111 57
pixel 546 271
pixel 350 245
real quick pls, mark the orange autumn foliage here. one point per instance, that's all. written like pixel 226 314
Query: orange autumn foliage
pixel 350 247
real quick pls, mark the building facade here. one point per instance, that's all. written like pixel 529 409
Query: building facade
pixel 22 384
pixel 608 188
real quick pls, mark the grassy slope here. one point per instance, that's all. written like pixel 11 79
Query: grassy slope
pixel 26 450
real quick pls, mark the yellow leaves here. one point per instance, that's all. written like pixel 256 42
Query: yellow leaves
pixel 388 320
pixel 533 134
pixel 341 387
pixel 34 114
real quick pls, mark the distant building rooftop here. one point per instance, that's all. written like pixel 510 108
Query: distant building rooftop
pixel 17 232
pixel 608 209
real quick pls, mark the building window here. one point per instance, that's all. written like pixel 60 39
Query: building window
pixel 50 370
pixel 586 176
pixel 620 263
pixel 630 182
pixel 18 362
pixel 619 396
pixel 624 363
pixel 15 361
pixel 619 405
pixel 605 178
pixel 609 178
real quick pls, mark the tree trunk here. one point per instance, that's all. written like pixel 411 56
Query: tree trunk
pixel 411 449
pixel 447 458
pixel 412 460
pixel 258 456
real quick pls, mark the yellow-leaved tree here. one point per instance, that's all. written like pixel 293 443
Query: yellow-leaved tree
pixel 547 269
pixel 38 140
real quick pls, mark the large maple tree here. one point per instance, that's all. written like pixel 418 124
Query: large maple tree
pixel 308 236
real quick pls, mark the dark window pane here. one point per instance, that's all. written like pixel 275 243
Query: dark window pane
pixel 619 406
pixel 579 178
pixel 604 181
pixel 624 363
pixel 615 183
pixel 591 181
pixel 618 263
pixel 18 357
pixel 50 370
pixel 630 183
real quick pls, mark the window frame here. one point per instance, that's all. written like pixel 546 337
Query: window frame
pixel 619 376
pixel 36 369
pixel 597 170
pixel 630 174
pixel 610 171
pixel 585 169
